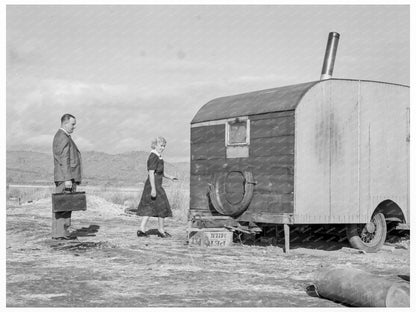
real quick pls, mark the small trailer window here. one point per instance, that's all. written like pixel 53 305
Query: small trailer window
pixel 238 131
pixel 237 137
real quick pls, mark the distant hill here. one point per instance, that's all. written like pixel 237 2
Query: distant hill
pixel 127 169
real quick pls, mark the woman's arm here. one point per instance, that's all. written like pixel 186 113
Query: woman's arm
pixel 152 183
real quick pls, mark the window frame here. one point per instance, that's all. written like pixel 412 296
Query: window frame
pixel 228 122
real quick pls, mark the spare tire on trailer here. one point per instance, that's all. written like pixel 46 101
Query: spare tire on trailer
pixel 369 237
pixel 231 205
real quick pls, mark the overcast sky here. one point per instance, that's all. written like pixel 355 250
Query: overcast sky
pixel 130 73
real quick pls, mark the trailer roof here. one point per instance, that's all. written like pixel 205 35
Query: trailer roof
pixel 257 102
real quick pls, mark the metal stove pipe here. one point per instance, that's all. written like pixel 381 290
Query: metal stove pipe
pixel 330 53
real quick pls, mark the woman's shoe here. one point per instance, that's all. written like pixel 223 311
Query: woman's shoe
pixel 163 235
pixel 65 237
pixel 141 234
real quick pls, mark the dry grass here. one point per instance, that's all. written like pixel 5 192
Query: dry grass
pixel 120 196
pixel 177 192
pixel 28 194
pixel 178 195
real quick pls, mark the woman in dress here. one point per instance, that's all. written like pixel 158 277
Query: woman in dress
pixel 154 202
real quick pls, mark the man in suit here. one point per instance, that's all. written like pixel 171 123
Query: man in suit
pixel 67 172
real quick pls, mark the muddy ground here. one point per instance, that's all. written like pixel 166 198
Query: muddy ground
pixel 108 266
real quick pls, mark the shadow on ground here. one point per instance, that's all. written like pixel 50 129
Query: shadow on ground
pixel 320 237
pixel 86 231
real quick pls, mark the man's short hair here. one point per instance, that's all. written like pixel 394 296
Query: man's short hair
pixel 66 117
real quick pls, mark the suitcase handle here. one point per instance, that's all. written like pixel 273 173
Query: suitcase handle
pixel 69 190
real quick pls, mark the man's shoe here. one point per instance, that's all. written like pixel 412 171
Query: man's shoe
pixel 163 235
pixel 141 234
pixel 70 229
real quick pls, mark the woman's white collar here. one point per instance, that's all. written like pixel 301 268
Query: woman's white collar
pixel 157 153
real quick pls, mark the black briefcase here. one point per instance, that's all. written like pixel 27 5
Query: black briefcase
pixel 69 201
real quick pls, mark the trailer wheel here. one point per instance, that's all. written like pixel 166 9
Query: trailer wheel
pixel 369 237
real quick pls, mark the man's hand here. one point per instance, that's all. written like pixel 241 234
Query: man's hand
pixel 68 184
pixel 153 194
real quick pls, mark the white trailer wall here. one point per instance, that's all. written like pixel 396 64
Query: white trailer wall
pixel 350 151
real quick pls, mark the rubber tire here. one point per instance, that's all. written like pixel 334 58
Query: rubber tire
pixel 220 203
pixel 375 244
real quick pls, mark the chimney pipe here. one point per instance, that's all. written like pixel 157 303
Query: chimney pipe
pixel 330 53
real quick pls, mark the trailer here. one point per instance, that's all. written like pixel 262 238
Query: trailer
pixel 332 151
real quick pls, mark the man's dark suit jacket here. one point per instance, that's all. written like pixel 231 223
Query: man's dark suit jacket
pixel 67 158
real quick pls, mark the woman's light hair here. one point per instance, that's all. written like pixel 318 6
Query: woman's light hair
pixel 155 141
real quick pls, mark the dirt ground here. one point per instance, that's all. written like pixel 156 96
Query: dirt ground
pixel 109 266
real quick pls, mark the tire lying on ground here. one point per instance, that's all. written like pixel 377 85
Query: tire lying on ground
pixel 369 237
